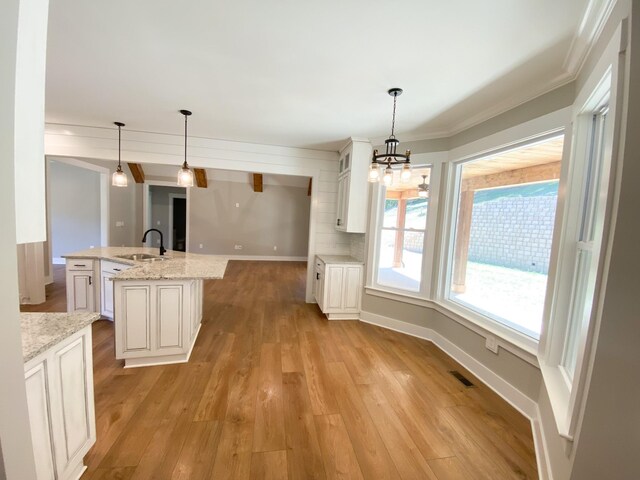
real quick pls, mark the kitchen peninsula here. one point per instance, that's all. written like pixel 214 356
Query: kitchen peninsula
pixel 155 301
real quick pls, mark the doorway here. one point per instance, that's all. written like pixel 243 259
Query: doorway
pixel 177 222
pixel 165 208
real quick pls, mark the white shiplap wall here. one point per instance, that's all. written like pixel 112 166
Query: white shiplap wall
pixel 152 148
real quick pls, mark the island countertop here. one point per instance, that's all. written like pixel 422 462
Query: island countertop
pixel 177 265
pixel 41 331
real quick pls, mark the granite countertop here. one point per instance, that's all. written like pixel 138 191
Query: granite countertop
pixel 41 331
pixel 329 259
pixel 178 265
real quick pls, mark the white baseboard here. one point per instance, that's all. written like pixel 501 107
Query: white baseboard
pixel 267 258
pixel 58 261
pixel 508 392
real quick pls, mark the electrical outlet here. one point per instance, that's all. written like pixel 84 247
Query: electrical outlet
pixel 158 222
pixel 119 223
pixel 275 248
pixel 237 205
pixel 238 247
pixel 492 343
pixel 92 246
pixel 200 246
pixel 158 242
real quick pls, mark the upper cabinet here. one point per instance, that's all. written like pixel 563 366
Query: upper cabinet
pixel 353 186
pixel 29 122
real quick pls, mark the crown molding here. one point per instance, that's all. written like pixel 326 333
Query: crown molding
pixel 594 20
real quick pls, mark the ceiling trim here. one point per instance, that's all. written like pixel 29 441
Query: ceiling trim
pixel 593 22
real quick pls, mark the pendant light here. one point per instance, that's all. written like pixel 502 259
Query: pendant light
pixel 423 188
pixel 119 178
pixel 391 158
pixel 185 175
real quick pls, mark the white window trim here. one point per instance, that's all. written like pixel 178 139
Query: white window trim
pixel 545 126
pixel 433 161
pixel 566 396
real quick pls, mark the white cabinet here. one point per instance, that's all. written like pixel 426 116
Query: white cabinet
pixel 353 186
pixel 338 289
pixel 157 321
pixel 107 271
pixel 82 288
pixel 59 384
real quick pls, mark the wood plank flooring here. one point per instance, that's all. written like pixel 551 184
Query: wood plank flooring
pixel 275 391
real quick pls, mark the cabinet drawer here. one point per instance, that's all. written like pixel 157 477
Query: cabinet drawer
pixel 79 264
pixel 113 267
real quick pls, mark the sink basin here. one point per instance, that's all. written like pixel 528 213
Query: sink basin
pixel 142 257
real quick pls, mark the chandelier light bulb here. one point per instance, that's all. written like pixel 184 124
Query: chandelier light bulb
pixel 388 176
pixel 405 176
pixel 185 176
pixel 374 173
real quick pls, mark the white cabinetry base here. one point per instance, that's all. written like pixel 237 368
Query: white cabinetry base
pixel 161 359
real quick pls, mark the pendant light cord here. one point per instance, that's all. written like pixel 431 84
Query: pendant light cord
pixel 393 121
pixel 184 165
pixel 119 146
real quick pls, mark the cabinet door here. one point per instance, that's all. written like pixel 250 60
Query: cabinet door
pixel 352 281
pixel 40 420
pixel 334 287
pixel 133 328
pixel 107 295
pixel 169 315
pixel 73 404
pixel 80 291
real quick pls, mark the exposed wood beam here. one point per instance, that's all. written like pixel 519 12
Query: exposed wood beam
pixel 309 189
pixel 137 172
pixel 257 182
pixel 201 177
pixel 403 194
pixel 536 173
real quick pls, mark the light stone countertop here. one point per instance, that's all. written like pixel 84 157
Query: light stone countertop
pixel 178 265
pixel 41 331
pixel 332 259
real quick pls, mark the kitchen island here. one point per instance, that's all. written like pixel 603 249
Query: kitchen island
pixel 155 301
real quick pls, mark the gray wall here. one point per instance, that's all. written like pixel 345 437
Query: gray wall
pixel 278 216
pixel 160 212
pixel 125 205
pixel 74 209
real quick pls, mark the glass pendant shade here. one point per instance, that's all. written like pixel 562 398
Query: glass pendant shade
pixel 119 178
pixel 185 176
pixel 423 193
pixel 387 179
pixel 374 173
pixel 405 176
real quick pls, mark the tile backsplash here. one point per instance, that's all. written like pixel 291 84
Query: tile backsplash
pixel 357 246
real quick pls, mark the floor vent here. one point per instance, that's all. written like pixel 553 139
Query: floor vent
pixel 464 380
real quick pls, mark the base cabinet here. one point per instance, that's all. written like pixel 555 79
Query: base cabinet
pixel 338 289
pixel 157 321
pixel 59 384
pixel 82 291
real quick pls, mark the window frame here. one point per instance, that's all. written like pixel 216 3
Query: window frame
pixel 434 161
pixel 538 129
pixel 449 239
pixel 599 91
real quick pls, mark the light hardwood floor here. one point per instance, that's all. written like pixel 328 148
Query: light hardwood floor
pixel 274 391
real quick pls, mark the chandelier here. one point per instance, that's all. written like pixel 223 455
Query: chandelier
pixel 390 158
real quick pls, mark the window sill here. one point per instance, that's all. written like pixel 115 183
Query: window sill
pixel 521 346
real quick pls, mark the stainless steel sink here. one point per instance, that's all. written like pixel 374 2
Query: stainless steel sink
pixel 142 257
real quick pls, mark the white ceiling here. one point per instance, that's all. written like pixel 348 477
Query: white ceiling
pixel 300 73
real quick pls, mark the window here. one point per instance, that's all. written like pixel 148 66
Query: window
pixel 401 236
pixel 503 229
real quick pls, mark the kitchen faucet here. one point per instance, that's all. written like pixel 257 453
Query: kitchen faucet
pixel 144 239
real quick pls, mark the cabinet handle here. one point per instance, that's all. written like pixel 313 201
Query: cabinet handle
pixel 338 222
pixel 79 265
pixel 89 279
pixel 117 269
pixel 317 276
